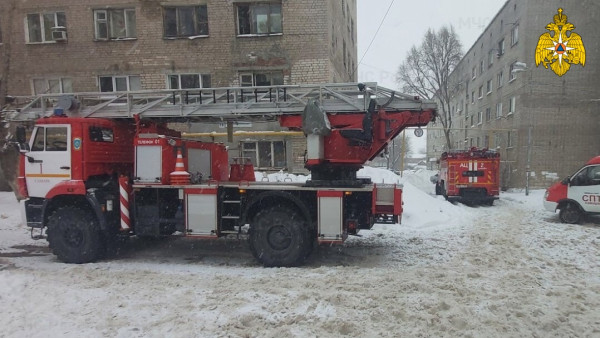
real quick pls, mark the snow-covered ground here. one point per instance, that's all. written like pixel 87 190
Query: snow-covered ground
pixel 448 270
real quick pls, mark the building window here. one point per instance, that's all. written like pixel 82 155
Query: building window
pixel 486 141
pixel 474 72
pixel 261 79
pixel 500 79
pixel 490 58
pixel 480 92
pixel 472 97
pixel 499 110
pixel 112 24
pixel 39 25
pixel 511 74
pixel 189 81
pixel 481 67
pixel 265 154
pixel 489 86
pixel 52 85
pixel 514 35
pixel 512 105
pixel 479 118
pixel 501 47
pixel 488 114
pixel 472 122
pixel 120 83
pixel 260 19
pixel 186 21
pixel 509 142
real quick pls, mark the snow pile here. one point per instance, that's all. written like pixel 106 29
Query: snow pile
pixel 447 270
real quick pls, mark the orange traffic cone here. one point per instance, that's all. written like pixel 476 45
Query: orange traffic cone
pixel 179 176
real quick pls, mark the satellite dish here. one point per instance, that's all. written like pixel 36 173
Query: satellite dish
pixel 419 132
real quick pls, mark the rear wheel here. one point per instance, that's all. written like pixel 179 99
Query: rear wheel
pixel 280 236
pixel 74 235
pixel 570 214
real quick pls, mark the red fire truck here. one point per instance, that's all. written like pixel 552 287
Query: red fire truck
pixel 107 166
pixel 470 176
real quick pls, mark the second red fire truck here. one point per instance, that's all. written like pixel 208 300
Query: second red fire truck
pixel 470 176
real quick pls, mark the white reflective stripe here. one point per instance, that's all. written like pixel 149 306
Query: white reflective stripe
pixel 124 207
pixel 475 169
pixel 470 169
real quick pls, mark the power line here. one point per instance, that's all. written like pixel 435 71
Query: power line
pixel 373 39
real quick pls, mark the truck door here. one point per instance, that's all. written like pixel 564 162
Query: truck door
pixel 585 188
pixel 49 161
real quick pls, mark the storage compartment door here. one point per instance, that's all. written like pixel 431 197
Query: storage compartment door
pixel 330 215
pixel 201 210
pixel 148 164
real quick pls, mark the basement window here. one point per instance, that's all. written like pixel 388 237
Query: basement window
pixel 185 22
pixel 39 26
pixel 259 19
pixel 115 24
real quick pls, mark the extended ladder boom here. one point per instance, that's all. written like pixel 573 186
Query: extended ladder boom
pixel 218 104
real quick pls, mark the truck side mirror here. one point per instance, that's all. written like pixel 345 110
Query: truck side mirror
pixel 566 180
pixel 21 135
pixel 22 139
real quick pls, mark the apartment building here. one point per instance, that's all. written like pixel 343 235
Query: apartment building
pixel 64 46
pixel 544 126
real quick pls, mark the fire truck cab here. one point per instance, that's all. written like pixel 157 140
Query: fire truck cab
pixel 576 195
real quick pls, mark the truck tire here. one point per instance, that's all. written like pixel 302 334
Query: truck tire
pixel 74 235
pixel 279 236
pixel 570 214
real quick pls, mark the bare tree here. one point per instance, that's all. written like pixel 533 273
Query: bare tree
pixel 8 155
pixel 426 71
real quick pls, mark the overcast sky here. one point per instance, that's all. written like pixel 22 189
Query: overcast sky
pixel 405 26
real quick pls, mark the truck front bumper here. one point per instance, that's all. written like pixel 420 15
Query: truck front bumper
pixel 550 206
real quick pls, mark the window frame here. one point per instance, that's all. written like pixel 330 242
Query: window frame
pixel 512 105
pixel 251 20
pixel 244 83
pixel 45 33
pixel 130 27
pixel 199 21
pixel 63 83
pixel 256 159
pixel 514 35
pixel 499 110
pixel 202 80
pixel 501 47
pixel 114 79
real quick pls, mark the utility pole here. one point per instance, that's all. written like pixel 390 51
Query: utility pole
pixel 528 166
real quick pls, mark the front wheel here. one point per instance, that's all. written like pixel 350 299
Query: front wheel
pixel 570 214
pixel 74 235
pixel 280 236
